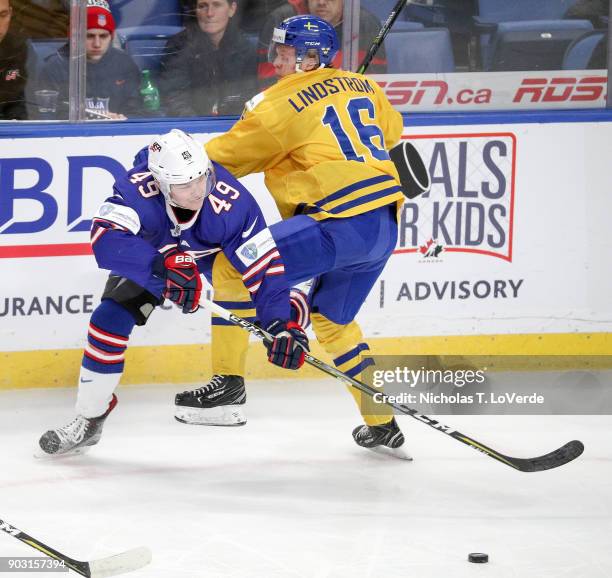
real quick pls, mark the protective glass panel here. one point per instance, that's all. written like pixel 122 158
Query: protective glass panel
pixel 200 58
pixel 493 54
pixel 32 37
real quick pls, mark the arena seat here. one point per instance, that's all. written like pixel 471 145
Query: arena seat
pixel 492 12
pixel 382 8
pixel 145 44
pixel 128 13
pixel 579 52
pixel 533 45
pixel 415 51
pixel 404 25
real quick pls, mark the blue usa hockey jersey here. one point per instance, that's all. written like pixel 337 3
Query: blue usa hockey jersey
pixel 135 225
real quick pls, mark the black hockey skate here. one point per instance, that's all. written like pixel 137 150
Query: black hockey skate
pixel 386 439
pixel 77 437
pixel 219 402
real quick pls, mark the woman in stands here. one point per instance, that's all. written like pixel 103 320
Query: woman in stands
pixel 210 67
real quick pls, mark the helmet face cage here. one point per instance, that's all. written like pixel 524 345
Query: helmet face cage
pixel 306 33
pixel 176 158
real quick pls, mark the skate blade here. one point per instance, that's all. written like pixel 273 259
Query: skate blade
pixel 225 416
pixel 398 453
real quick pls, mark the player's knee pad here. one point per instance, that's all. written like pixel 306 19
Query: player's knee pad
pixel 112 317
pixel 134 298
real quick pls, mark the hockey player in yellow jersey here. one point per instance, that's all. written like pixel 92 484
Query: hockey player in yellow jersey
pixel 317 135
pixel 321 137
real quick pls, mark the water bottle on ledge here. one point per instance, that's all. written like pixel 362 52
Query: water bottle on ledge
pixel 149 92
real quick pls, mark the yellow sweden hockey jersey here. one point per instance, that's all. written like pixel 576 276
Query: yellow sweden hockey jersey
pixel 321 138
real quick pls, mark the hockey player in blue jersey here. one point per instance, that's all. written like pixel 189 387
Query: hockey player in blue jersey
pixel 167 220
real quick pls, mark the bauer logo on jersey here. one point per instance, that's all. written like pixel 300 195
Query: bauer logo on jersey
pixel 256 247
pixel 470 206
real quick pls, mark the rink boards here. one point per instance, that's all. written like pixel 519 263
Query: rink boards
pixel 508 253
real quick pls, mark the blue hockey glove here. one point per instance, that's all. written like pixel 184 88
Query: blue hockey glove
pixel 289 345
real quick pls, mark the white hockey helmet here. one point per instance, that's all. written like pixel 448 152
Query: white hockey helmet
pixel 176 158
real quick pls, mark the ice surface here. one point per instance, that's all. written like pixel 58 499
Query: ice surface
pixel 290 496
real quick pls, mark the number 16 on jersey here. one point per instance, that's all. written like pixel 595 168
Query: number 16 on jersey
pixel 369 136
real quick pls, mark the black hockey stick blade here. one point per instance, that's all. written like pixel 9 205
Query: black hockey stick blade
pixel 570 451
pixel 413 174
pixel 559 457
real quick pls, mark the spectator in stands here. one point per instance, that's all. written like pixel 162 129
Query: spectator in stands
pixel 332 11
pixel 113 79
pixel 42 18
pixel 596 11
pixel 250 16
pixel 13 54
pixel 210 67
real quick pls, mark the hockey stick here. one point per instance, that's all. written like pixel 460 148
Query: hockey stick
pixel 109 566
pixel 414 176
pixel 570 451
pixel 382 33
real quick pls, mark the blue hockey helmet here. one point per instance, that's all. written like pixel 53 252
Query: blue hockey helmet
pixel 307 32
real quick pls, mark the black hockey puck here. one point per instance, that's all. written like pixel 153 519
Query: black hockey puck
pixel 478 558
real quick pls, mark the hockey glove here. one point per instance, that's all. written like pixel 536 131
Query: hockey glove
pixel 289 345
pixel 183 281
